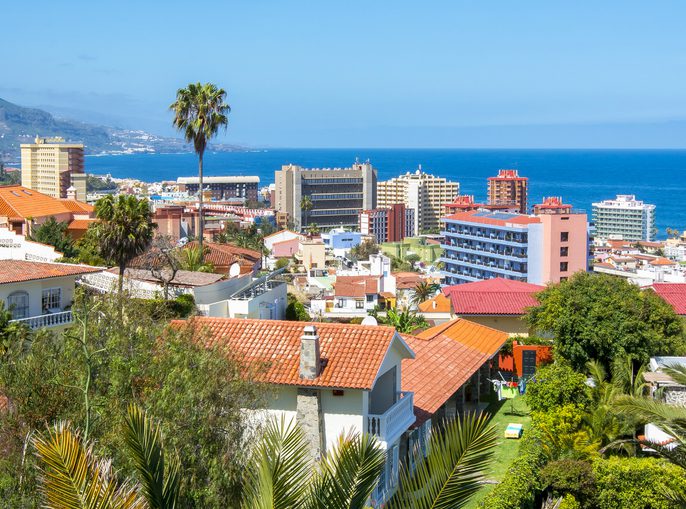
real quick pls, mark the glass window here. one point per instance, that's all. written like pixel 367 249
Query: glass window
pixel 564 236
pixel 359 304
pixel 18 304
pixel 563 266
pixel 564 251
pixel 52 299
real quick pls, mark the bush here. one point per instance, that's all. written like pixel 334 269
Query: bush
pixel 159 309
pixel 295 311
pixel 637 483
pixel 556 385
pixel 570 477
pixel 281 263
pixel 569 502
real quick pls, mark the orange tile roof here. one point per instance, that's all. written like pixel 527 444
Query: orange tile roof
pixel 445 361
pixel 662 261
pixel 407 280
pixel 78 206
pixel 80 224
pixel 17 271
pixel 21 202
pixel 471 334
pixel 439 304
pixel 223 255
pixel 351 354
pixel 356 286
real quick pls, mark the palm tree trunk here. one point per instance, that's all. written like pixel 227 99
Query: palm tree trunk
pixel 201 222
pixel 122 268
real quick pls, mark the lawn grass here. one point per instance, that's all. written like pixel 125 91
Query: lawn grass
pixel 507 449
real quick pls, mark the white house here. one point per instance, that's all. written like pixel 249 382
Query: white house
pixel 14 246
pixel 330 378
pixel 40 294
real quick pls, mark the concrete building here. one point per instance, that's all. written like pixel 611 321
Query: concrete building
pixel 331 379
pixel 340 242
pixel 333 197
pixel 53 167
pixel 508 189
pixel 425 194
pixel 16 247
pixel 389 224
pixel 624 218
pixel 481 244
pixel 222 188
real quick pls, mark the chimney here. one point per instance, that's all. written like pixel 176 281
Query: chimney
pixel 309 353
pixel 71 193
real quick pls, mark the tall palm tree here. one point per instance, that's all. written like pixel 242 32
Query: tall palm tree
pixel 306 205
pixel 283 476
pixel 423 290
pixel 192 259
pixel 200 111
pixel 125 229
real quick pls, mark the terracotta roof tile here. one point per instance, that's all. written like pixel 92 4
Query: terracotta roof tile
pixel 224 255
pixel 496 296
pixel 674 294
pixel 356 286
pixel 81 224
pixel 16 271
pixel 21 202
pixel 181 278
pixel 439 304
pixel 351 354
pixel 479 337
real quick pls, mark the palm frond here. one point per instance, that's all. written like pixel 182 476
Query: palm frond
pixel 144 440
pixel 677 373
pixel 281 468
pixel 453 469
pixel 73 478
pixel 348 474
pixel 671 418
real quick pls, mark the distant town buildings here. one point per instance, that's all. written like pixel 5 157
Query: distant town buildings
pixel 53 167
pixel 624 218
pixel 326 197
pixel 482 244
pixel 390 224
pixel 509 189
pixel 424 193
pixel 222 188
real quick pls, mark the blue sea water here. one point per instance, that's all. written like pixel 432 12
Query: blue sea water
pixel 579 176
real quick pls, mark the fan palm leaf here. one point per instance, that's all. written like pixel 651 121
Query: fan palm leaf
pixel 73 478
pixel 453 469
pixel 159 480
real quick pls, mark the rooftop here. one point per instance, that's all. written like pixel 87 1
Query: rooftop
pixel 17 271
pixel 493 218
pixel 21 202
pixel 439 304
pixel 496 296
pixel 356 286
pixel 674 294
pixel 182 278
pixel 351 354
pixel 222 255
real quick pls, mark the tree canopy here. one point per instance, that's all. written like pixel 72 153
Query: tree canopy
pixel 601 317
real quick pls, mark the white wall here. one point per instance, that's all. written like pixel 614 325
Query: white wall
pixel 280 237
pixel 15 247
pixel 35 291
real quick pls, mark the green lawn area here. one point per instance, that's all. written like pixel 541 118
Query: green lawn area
pixel 507 449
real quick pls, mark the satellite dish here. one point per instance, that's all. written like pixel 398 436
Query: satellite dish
pixel 234 270
pixel 369 320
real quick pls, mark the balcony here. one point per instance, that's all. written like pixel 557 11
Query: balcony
pixel 50 320
pixel 394 421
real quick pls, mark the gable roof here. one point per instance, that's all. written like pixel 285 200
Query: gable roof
pixel 674 294
pixel 221 255
pixel 474 335
pixel 407 280
pixel 439 304
pixel 352 355
pixel 284 231
pixel 496 296
pixel 16 271
pixel 181 278
pixel 22 202
pixel 356 286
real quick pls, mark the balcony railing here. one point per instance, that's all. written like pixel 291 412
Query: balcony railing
pixel 394 421
pixel 51 320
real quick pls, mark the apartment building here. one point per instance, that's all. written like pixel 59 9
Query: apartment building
pixel 222 188
pixel 481 244
pixel 391 224
pixel 508 189
pixel 53 167
pixel 328 197
pixel 624 218
pixel 424 193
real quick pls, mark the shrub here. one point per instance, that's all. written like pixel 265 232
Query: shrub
pixel 570 477
pixel 281 263
pixel 637 483
pixel 556 385
pixel 295 311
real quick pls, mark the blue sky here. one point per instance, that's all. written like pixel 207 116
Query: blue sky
pixel 364 74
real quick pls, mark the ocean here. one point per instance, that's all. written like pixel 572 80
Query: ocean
pixel 579 176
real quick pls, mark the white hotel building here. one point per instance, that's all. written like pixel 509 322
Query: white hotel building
pixel 624 218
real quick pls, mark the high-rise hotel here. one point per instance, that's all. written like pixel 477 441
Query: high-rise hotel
pixel 424 193
pixel 53 167
pixel 624 218
pixel 327 197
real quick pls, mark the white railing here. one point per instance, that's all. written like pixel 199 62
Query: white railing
pixel 51 320
pixel 394 421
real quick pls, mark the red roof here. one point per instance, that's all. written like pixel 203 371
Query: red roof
pixel 224 255
pixel 674 294
pixel 407 280
pixel 496 296
pixel 17 271
pixel 493 218
pixel 351 354
pixel 356 286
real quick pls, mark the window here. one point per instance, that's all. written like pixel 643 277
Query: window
pixel 564 236
pixel 370 298
pixel 563 278
pixel 394 465
pixel 564 251
pixel 52 299
pixel 18 304
pixel 563 266
pixel 359 304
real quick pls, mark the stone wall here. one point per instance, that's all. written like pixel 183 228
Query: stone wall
pixel 310 418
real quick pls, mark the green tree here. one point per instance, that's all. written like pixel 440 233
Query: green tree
pixel 313 229
pixel 124 231
pixel 200 111
pixel 295 311
pixel 55 234
pixel 364 250
pixel 306 205
pixel 423 291
pixel 596 316
pixel 193 259
pixel 556 385
pixel 404 322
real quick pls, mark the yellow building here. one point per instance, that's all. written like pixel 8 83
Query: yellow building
pixel 53 167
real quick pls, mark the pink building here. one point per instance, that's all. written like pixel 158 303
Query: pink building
pixel 285 248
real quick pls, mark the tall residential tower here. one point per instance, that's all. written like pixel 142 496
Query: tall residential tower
pixel 53 167
pixel 509 189
pixel 624 218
